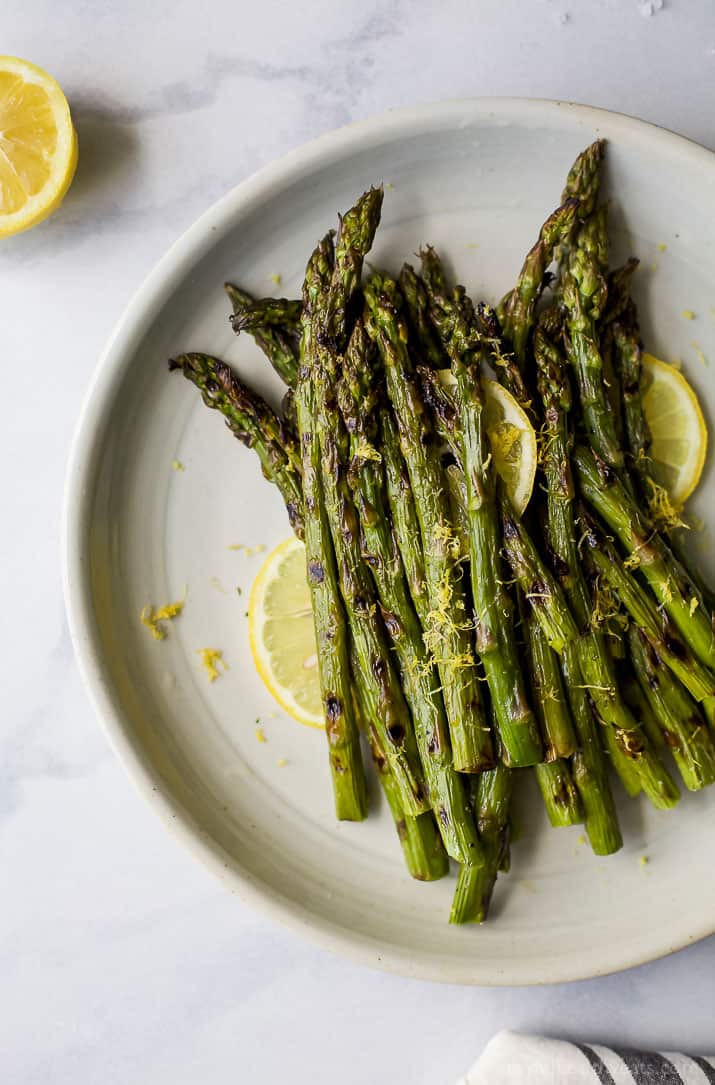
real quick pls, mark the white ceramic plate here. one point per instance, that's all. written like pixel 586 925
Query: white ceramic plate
pixel 476 178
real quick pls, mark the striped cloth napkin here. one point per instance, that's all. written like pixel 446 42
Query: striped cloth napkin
pixel 511 1059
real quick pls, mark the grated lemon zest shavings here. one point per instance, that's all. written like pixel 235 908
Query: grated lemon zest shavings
pixel 213 662
pixel 153 618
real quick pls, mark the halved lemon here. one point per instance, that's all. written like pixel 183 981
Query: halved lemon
pixel 512 440
pixel 38 145
pixel 282 636
pixel 677 426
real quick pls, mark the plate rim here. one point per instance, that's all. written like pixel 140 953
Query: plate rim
pixel 82 463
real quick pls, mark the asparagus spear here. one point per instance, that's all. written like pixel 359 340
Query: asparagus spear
pixel 583 180
pixel 558 790
pixel 631 752
pixel 250 419
pixel 551 611
pixel 465 345
pixel 666 518
pixel 359 396
pixel 584 295
pixel 355 236
pixel 669 582
pixel 444 411
pixel 516 310
pixel 403 513
pixel 475 885
pixel 684 729
pixel 382 691
pixel 279 342
pixel 434 280
pixel 617 299
pixel 493 607
pixel 548 691
pixel 640 707
pixel 657 627
pixel 425 857
pixel 447 629
pixel 422 331
pixel 267 313
pixel 331 633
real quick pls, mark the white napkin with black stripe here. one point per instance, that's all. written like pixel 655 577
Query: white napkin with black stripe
pixel 513 1059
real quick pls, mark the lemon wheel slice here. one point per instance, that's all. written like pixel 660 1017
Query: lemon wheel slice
pixel 677 426
pixel 282 636
pixel 513 443
pixel 38 145
pixel 512 439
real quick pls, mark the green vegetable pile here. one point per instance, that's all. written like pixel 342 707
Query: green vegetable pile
pixel 464 641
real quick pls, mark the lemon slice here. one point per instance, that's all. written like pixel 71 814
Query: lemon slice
pixel 677 426
pixel 512 440
pixel 38 145
pixel 281 633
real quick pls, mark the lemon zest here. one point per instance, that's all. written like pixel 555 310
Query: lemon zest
pixel 213 662
pixel 606 611
pixel 699 354
pixel 153 619
pixel 178 465
pixel 661 509
pixel 366 451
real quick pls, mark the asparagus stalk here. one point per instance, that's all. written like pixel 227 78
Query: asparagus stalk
pixel 584 295
pixel 354 240
pixel 631 752
pixel 420 839
pixel 434 280
pixel 425 857
pixel 551 611
pixel 268 313
pixel 583 180
pixel 423 334
pixel 475 885
pixel 403 513
pixel 640 707
pixel 359 396
pixel 517 309
pixel 666 517
pixel 382 690
pixel 657 627
pixel 559 792
pixel 495 643
pixel 331 632
pixel 444 410
pixel 278 341
pixel 250 419
pixel 670 584
pixel 447 629
pixel 684 729
pixel 548 691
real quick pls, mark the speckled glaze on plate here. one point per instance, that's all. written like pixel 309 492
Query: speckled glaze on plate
pixel 475 178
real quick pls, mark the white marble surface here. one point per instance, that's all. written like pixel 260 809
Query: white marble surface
pixel 121 960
